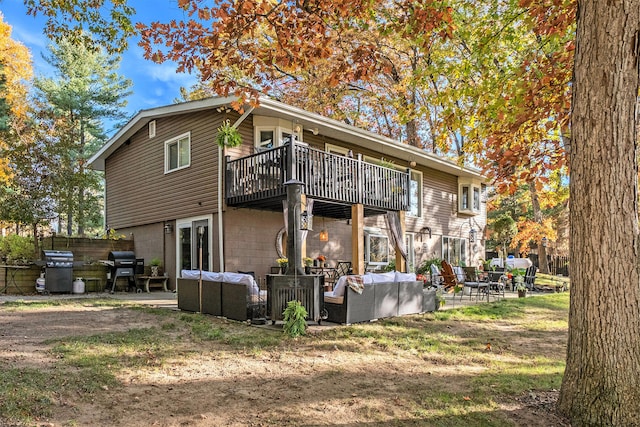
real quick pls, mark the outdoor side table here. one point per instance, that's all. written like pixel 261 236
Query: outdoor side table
pixel 10 276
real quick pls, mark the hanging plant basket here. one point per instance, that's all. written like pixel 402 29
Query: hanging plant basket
pixel 228 136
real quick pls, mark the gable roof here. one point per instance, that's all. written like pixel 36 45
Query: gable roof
pixel 269 107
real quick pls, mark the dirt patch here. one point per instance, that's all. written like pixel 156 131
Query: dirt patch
pixel 207 383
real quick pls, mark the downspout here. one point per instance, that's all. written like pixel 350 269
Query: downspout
pixel 220 192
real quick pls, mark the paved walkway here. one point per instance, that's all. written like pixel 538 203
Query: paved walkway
pixel 466 300
pixel 170 299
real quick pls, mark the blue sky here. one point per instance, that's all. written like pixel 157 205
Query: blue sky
pixel 154 85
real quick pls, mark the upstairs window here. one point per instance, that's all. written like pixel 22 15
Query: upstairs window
pixel 177 153
pixel 271 132
pixel 469 196
pixel 415 194
pixel 415 182
pixel 265 139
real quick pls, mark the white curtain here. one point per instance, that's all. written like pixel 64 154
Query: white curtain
pixel 393 222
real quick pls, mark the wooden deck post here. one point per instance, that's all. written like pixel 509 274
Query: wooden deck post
pixel 357 238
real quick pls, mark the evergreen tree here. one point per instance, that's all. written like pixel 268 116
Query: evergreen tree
pixel 85 92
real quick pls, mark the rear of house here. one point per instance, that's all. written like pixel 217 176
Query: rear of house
pixel 167 179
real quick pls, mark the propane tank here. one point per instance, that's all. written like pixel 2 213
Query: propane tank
pixel 78 286
pixel 40 283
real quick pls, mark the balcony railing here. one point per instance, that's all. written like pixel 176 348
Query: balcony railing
pixel 325 176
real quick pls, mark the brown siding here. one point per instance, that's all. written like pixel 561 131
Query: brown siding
pixel 141 198
pixel 139 192
pixel 439 212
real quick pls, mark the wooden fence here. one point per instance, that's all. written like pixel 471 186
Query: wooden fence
pixel 86 255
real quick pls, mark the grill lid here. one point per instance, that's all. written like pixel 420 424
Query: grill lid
pixel 122 258
pixel 57 256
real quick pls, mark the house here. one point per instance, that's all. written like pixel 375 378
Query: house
pixel 184 198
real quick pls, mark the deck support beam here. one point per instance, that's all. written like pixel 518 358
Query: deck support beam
pixel 357 241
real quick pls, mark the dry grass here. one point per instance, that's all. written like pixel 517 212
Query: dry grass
pixel 90 363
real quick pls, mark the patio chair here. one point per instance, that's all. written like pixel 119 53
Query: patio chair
pixel 342 269
pixel 436 277
pixel 472 282
pixel 497 282
pixel 449 278
pixel 530 277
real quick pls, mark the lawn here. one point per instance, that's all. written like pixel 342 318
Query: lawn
pixel 100 363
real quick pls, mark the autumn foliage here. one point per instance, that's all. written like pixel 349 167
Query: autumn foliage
pixel 245 47
pixel 16 71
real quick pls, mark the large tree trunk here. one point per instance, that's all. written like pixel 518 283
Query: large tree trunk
pixel 601 384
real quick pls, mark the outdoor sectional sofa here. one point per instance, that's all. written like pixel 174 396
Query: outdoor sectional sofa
pixel 231 295
pixel 383 295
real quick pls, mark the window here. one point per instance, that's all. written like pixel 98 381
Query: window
pixel 271 132
pixel 335 149
pixel 415 194
pixel 464 200
pixel 409 244
pixel 469 196
pixel 265 140
pixel 376 249
pixel 152 128
pixel 476 199
pixel 454 250
pixel 177 153
pixel 415 182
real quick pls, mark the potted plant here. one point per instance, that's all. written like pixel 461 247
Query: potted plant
pixel 518 280
pixel 321 260
pixel 228 136
pixel 294 316
pixel 308 262
pixel 155 264
pixel 283 263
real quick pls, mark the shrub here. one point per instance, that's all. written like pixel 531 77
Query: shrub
pixel 17 248
pixel 425 267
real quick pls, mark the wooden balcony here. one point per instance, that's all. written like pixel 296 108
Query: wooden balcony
pixel 335 182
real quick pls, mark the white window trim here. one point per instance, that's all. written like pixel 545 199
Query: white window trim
pixel 463 255
pixel 187 222
pixel 336 149
pixel 152 129
pixel 472 185
pixel 169 142
pixel 278 126
pixel 367 249
pixel 410 243
pixel 419 178
pixel 258 129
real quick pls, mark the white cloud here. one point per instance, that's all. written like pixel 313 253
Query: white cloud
pixel 167 73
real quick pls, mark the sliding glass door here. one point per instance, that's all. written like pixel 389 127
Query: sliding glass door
pixel 194 243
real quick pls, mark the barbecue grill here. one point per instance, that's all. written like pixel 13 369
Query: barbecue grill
pixel 58 271
pixel 122 264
